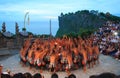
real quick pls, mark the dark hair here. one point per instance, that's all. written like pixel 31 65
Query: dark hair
pixel 71 76
pixel 54 75
pixel 107 75
pixel 37 75
pixel 27 75
pixel 118 76
pixel 18 75
pixel 93 76
pixel 5 76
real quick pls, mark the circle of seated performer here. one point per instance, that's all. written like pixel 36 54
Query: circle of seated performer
pixel 60 54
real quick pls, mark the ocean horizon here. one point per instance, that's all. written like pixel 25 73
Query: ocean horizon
pixel 36 27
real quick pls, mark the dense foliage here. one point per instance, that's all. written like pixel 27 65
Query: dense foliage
pixel 83 22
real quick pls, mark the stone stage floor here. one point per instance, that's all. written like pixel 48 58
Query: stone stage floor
pixel 107 64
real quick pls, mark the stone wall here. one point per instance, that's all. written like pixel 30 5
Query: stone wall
pixel 11 43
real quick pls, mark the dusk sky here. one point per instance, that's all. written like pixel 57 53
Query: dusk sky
pixel 43 10
pixel 14 10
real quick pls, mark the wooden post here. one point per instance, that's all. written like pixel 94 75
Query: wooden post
pixel 50 30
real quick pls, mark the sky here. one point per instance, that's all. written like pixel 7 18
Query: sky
pixel 43 10
pixel 15 10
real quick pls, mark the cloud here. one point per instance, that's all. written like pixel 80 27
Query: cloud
pixel 46 9
pixel 36 9
pixel 22 7
pixel 50 17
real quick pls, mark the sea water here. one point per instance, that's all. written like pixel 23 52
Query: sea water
pixel 36 27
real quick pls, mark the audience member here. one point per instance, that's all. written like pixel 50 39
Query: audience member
pixel 37 75
pixel 54 75
pixel 93 76
pixel 104 75
pixel 107 75
pixel 27 75
pixel 5 76
pixel 18 75
pixel 72 76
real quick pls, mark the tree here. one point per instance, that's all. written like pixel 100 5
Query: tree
pixel 61 14
pixel 107 14
pixel 23 29
pixel 3 27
